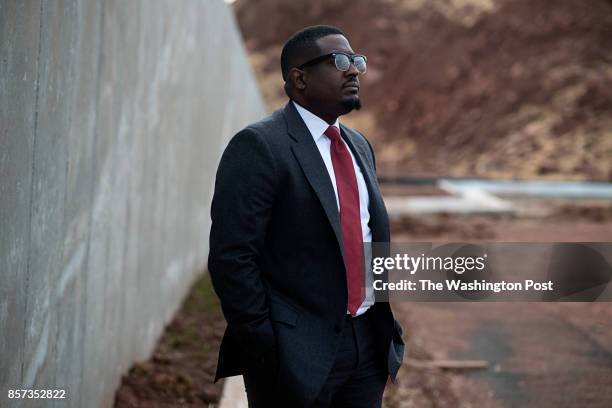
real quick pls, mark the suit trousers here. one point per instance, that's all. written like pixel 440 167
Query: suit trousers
pixel 357 378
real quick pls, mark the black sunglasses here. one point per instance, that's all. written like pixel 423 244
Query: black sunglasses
pixel 343 61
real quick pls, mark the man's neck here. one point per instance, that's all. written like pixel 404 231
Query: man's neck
pixel 330 119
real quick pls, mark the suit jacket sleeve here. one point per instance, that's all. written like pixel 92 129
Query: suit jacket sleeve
pixel 244 194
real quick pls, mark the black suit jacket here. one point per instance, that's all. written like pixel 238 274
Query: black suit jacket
pixel 276 254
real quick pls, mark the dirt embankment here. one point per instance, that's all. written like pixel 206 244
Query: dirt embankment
pixel 180 372
pixel 488 88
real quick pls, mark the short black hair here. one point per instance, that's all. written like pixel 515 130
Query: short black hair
pixel 304 42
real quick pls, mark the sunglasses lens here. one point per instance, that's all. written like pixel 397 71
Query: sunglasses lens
pixel 360 64
pixel 342 62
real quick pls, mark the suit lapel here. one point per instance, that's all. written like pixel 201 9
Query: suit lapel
pixel 309 159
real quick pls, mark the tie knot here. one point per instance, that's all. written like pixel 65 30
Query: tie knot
pixel 333 133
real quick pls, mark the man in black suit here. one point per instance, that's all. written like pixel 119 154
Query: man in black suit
pixel 296 196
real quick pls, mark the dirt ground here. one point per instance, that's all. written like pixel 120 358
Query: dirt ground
pixel 538 354
pixel 478 88
pixel 181 371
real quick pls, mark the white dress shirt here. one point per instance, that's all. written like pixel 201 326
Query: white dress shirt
pixel 317 127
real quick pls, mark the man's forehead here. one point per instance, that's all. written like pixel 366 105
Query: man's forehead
pixel 334 43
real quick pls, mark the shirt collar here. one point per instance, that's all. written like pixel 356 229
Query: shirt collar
pixel 315 124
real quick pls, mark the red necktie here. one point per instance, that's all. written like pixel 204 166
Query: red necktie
pixel 350 218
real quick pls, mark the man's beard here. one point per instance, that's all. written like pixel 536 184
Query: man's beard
pixel 353 103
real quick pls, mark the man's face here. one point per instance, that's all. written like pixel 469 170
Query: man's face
pixel 333 90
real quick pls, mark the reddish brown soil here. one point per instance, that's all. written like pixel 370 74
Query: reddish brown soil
pixel 595 213
pixel 182 368
pixel 489 88
pixel 539 354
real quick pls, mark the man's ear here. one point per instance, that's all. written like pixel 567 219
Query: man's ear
pixel 297 78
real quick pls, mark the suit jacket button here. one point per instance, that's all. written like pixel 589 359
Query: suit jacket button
pixel 337 328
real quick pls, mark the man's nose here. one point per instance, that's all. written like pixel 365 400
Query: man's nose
pixel 352 70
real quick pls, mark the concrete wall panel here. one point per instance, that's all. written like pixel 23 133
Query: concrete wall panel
pixel 113 116
pixel 19 25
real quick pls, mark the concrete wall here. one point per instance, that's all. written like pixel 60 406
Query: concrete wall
pixel 113 115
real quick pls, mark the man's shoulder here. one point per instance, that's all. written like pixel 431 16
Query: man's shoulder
pixel 266 133
pixel 355 135
pixel 361 142
pixel 269 125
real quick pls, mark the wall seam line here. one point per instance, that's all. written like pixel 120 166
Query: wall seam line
pixel 32 190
